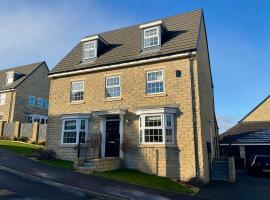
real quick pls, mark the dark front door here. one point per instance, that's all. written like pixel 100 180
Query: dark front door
pixel 112 138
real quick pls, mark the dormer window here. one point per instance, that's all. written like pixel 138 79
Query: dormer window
pixel 93 46
pixel 10 77
pixel 151 37
pixel 152 34
pixel 90 50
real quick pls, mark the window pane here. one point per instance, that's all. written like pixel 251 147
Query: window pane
pixel 40 102
pixel 70 125
pixel 82 137
pixel 169 136
pixel 153 135
pixel 155 76
pixel 156 87
pixel 77 86
pixel 83 124
pixel 31 100
pixel 113 92
pixel 151 121
pixel 168 120
pixel 69 137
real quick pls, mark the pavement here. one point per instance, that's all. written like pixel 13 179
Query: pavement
pixel 93 185
pixel 14 187
pixel 246 187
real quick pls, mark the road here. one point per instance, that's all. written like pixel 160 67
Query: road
pixel 246 187
pixel 13 187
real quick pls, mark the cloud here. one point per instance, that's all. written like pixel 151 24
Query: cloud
pixel 225 122
pixel 33 30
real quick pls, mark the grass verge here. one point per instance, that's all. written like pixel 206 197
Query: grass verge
pixel 26 149
pixel 19 147
pixel 63 164
pixel 151 181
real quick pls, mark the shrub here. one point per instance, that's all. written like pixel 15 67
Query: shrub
pixel 22 139
pixel 43 154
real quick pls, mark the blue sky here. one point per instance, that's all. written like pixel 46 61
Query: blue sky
pixel 238 37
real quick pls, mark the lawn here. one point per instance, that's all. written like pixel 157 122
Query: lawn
pixel 64 164
pixel 26 149
pixel 152 181
pixel 19 147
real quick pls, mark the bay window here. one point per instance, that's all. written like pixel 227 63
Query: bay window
pixel 157 128
pixel 72 129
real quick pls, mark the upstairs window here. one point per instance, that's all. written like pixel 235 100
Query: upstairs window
pixel 10 77
pixel 155 82
pixel 113 87
pixel 2 99
pixel 31 100
pixel 46 104
pixel 151 37
pixel 90 50
pixel 77 91
pixel 40 102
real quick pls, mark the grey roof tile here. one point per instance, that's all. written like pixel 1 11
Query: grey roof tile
pixel 125 43
pixel 25 70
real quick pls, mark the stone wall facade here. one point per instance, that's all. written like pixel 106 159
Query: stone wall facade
pixel 7 109
pixel 177 160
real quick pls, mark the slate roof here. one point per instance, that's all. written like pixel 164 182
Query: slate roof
pixel 253 137
pixel 25 70
pixel 244 127
pixel 125 44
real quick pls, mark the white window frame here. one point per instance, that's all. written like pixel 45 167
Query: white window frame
pixel 30 103
pixel 163 126
pixel 152 36
pixel 78 129
pixel 90 49
pixel 107 86
pixel 36 118
pixel 2 99
pixel 71 91
pixel 10 77
pixel 155 81
pixel 40 102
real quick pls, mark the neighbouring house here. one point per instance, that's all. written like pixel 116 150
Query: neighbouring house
pixel 24 93
pixel 143 94
pixel 250 136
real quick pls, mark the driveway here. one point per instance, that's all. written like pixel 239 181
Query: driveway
pixel 246 188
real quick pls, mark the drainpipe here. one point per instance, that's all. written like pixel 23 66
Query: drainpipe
pixel 194 115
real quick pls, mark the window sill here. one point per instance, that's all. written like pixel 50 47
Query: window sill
pixel 113 99
pixel 156 95
pixel 158 145
pixel 76 102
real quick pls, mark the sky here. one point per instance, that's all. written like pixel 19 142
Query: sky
pixel 238 38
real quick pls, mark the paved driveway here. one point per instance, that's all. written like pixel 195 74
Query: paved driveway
pixel 246 188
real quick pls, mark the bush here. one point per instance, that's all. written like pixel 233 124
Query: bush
pixel 22 139
pixel 43 154
pixel 42 143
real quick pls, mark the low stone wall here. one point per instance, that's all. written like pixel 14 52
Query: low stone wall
pixel 106 164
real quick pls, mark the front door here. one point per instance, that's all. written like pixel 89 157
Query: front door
pixel 112 138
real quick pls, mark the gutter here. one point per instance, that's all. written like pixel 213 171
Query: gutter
pixel 181 55
pixel 8 90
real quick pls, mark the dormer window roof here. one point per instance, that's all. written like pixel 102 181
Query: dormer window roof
pixel 92 47
pixel 10 77
pixel 152 34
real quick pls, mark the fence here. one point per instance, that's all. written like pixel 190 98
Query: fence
pixel 35 132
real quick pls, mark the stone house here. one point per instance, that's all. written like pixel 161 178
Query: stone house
pixel 24 93
pixel 249 137
pixel 145 92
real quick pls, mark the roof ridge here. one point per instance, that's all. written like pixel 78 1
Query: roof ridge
pixel 21 66
pixel 135 25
